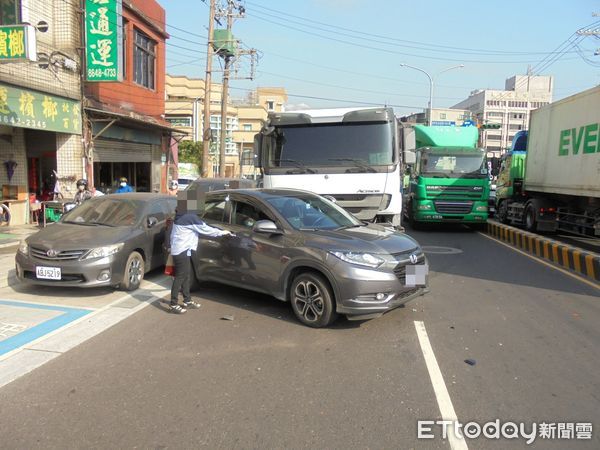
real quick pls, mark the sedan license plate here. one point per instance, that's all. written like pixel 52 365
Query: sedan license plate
pixel 48 273
pixel 416 275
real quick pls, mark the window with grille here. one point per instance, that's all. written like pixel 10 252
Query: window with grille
pixel 144 60
pixel 10 12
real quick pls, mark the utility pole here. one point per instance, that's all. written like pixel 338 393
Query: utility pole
pixel 206 135
pixel 224 97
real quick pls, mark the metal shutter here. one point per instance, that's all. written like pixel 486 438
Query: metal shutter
pixel 119 151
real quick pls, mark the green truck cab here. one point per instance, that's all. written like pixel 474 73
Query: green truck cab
pixel 449 181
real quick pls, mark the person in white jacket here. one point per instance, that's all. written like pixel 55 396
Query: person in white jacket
pixel 184 241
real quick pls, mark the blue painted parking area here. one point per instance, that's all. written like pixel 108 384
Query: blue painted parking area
pixel 22 322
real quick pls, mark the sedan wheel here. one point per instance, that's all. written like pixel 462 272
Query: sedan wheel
pixel 134 272
pixel 312 300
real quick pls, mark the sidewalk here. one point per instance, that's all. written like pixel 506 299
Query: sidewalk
pixel 9 242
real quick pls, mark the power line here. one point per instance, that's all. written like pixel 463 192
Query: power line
pixel 424 44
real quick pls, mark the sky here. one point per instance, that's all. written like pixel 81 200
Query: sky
pixel 341 53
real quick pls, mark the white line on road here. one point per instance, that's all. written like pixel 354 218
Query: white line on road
pixel 439 387
pixel 36 353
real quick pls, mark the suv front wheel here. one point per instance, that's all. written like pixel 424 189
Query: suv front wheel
pixel 312 300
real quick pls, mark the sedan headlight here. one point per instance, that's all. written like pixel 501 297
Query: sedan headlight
pixel 360 259
pixel 101 252
pixel 24 247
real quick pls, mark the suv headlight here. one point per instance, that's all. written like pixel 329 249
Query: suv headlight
pixel 101 252
pixel 24 247
pixel 360 259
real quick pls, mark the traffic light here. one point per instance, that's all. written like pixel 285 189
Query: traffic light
pixel 490 126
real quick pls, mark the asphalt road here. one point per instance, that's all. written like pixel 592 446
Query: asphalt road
pixel 158 380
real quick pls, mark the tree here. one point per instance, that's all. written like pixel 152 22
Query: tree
pixel 191 152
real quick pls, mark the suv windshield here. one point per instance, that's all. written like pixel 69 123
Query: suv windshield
pixel 111 212
pixel 313 213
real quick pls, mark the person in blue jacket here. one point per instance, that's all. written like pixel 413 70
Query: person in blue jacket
pixel 123 186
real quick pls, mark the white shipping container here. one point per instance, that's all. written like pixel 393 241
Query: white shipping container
pixel 563 149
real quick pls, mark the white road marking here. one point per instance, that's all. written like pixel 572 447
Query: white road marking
pixel 36 353
pixel 439 387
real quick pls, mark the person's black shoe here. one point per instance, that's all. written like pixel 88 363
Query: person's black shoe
pixel 178 309
pixel 192 304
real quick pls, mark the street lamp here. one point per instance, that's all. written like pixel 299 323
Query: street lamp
pixel 431 78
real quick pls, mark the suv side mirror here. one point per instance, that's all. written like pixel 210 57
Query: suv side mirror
pixel 266 227
pixel 152 221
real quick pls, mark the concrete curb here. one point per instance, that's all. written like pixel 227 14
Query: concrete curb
pixel 574 259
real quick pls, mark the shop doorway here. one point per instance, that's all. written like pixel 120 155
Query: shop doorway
pixel 40 148
pixel 107 175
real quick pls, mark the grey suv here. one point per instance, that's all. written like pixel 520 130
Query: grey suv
pixel 300 247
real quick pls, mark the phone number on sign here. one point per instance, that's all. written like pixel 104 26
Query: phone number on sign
pixel 102 73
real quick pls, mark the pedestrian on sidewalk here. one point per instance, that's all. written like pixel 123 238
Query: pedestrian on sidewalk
pixel 123 186
pixel 83 193
pixel 184 242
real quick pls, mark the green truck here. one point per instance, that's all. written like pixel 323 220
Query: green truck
pixel 550 179
pixel 446 176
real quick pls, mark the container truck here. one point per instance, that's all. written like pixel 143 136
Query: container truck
pixel 550 179
pixel 448 178
pixel 348 154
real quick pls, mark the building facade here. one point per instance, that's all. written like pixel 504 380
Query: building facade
pixel 184 111
pixel 128 135
pixel 40 102
pixel 509 108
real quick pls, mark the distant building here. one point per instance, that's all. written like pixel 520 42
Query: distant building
pixel 509 108
pixel 184 110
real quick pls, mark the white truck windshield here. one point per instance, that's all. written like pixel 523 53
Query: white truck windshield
pixel 351 145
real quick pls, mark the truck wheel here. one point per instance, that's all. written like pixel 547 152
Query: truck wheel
pixel 529 219
pixel 502 213
pixel 414 224
pixel 312 300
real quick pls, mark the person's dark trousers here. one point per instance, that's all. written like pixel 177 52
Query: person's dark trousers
pixel 181 282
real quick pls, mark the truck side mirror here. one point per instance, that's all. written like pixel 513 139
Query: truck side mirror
pixel 409 145
pixel 258 143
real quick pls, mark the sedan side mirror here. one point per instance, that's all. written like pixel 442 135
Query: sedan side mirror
pixel 152 221
pixel 266 227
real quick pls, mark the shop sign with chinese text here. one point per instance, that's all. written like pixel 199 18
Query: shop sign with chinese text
pixel 104 40
pixel 31 109
pixel 17 42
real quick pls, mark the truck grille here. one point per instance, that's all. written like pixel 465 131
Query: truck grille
pixel 453 207
pixel 65 255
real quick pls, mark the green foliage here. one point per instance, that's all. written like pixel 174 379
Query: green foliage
pixel 191 152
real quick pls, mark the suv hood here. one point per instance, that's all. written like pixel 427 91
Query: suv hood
pixel 65 236
pixel 370 238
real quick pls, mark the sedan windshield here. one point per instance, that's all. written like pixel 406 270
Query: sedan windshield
pixel 309 212
pixel 110 212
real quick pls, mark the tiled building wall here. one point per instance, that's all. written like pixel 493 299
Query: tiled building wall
pixel 14 151
pixel 69 163
pixel 60 41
